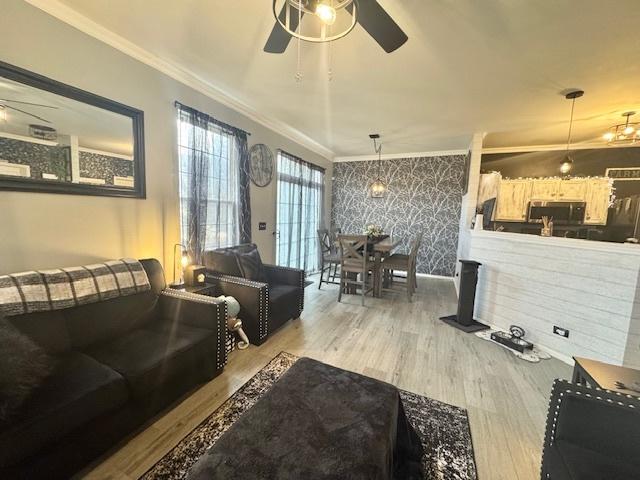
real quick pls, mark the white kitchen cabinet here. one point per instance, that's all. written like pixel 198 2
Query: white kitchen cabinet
pixel 513 200
pixel 574 190
pixel 598 197
pixel 545 189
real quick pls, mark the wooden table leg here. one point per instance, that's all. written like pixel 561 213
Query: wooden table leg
pixel 377 274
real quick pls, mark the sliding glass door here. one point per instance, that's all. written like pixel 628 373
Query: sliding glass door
pixel 300 212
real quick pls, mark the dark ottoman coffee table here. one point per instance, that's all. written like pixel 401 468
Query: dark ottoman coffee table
pixel 318 422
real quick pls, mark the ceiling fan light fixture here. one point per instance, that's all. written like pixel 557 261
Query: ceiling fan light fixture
pixel 326 13
pixel 294 13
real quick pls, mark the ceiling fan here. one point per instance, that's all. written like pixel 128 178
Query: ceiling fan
pixel 4 104
pixel 368 13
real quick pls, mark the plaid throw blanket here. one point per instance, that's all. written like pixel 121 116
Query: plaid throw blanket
pixel 45 290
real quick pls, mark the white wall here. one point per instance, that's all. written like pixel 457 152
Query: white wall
pixel 46 230
pixel 589 288
pixel 468 209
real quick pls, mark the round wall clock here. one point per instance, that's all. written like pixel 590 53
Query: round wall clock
pixel 261 164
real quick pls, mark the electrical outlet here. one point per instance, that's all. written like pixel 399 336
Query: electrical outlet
pixel 262 225
pixel 563 332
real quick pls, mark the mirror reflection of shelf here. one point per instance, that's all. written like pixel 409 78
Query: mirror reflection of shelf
pixel 14 169
pixel 123 181
pixel 92 181
pixel 23 138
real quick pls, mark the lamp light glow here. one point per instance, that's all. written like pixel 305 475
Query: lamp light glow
pixel 326 13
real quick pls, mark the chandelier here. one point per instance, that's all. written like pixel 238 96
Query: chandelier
pixel 336 18
pixel 378 188
pixel 626 133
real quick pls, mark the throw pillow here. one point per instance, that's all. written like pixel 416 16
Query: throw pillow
pixel 250 265
pixel 24 366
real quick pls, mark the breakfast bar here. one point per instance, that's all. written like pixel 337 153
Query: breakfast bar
pixel 583 289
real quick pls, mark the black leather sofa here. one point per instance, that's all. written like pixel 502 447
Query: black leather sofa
pixel 120 362
pixel 591 434
pixel 269 295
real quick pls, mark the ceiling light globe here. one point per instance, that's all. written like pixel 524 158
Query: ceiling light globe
pixel 326 13
pixel 609 136
pixel 628 130
pixel 566 166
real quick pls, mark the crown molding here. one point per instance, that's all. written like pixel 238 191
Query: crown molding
pixel 64 13
pixel 555 147
pixel 393 156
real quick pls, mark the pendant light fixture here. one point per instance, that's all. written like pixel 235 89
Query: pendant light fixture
pixel 626 133
pixel 567 163
pixel 377 188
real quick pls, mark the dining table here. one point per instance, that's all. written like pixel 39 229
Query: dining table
pixel 381 249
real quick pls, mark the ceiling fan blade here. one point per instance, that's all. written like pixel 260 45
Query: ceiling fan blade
pixel 377 22
pixel 27 113
pixel 279 39
pixel 27 103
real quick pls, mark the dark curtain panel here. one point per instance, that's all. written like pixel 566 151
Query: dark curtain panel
pixel 300 212
pixel 244 210
pixel 214 183
pixel 194 173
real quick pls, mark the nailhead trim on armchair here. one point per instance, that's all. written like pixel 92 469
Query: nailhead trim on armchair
pixel 221 324
pixel 560 390
pixel 301 275
pixel 263 298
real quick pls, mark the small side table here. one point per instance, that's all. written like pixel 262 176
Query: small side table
pixel 604 375
pixel 207 289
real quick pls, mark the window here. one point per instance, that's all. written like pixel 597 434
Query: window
pixel 300 211
pixel 211 144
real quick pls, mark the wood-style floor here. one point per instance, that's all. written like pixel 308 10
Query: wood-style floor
pixel 392 340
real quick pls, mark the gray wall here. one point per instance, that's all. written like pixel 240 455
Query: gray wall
pixel 424 195
pixel 46 230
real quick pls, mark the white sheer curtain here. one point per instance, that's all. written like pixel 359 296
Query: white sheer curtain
pixel 300 212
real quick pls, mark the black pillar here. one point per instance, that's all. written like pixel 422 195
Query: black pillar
pixel 466 299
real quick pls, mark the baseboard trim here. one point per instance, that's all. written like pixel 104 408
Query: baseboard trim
pixel 559 356
pixel 429 275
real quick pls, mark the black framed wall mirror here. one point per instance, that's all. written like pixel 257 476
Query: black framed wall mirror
pixel 56 138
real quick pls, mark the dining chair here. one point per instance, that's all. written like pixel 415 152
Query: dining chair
pixel 329 257
pixel 407 263
pixel 354 261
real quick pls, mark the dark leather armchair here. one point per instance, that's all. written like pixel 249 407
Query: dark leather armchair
pixel 269 295
pixel 591 434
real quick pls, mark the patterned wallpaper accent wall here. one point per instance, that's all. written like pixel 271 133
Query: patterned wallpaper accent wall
pixel 424 195
pixel 41 158
pixel 95 165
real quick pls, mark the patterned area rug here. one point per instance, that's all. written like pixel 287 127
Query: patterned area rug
pixel 443 429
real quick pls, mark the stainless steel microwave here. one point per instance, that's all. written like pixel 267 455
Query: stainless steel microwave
pixel 562 213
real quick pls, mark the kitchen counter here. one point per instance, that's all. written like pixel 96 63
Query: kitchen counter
pixel 587 287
